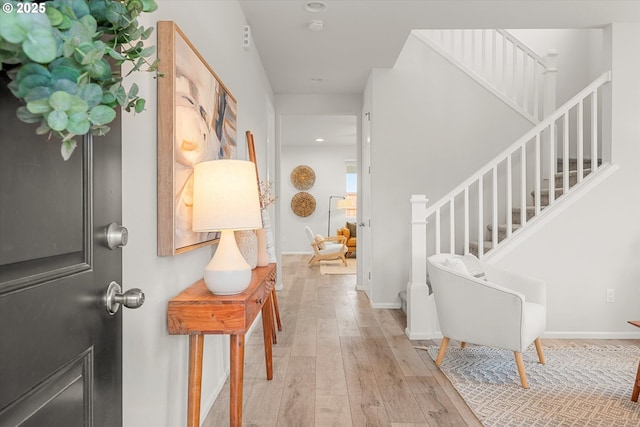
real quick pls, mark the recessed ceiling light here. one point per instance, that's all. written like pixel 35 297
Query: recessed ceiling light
pixel 315 6
pixel 316 25
pixel 319 139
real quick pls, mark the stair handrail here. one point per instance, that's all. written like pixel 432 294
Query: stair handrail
pixel 536 57
pixel 536 98
pixel 539 128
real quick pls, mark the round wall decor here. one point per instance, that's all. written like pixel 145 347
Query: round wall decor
pixel 303 177
pixel 303 204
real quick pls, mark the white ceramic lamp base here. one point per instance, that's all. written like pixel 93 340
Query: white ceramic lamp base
pixel 227 273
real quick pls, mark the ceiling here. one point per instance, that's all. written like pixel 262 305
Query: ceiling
pixel 360 35
pixel 305 129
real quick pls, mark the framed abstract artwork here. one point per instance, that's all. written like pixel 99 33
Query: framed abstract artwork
pixel 196 123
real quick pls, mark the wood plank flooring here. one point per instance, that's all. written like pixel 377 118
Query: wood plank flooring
pixel 340 363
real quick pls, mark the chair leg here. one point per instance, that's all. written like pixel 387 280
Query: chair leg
pixel 636 386
pixel 521 370
pixel 463 344
pixel 539 350
pixel 443 348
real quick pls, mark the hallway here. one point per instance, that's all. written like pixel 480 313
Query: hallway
pixel 340 363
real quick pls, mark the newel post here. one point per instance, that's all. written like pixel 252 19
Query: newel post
pixel 422 321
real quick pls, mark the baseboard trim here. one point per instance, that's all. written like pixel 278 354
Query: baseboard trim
pixel 387 305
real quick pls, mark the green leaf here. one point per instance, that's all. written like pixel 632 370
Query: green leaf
pixel 66 23
pixel 91 94
pixel 140 105
pixel 149 5
pixel 100 130
pixel 78 123
pixel 40 45
pixel 66 149
pixel 115 55
pixel 26 116
pixel 65 85
pixel 37 93
pixel 99 70
pixel 40 106
pixel 10 28
pixel 43 129
pixel 98 9
pixel 148 51
pixel 133 91
pixel 89 23
pixel 60 101
pixel 54 15
pixel 32 69
pixel 65 73
pixel 146 33
pixel 78 105
pixel 101 115
pixel 32 81
pixel 57 120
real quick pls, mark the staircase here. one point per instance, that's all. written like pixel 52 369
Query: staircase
pixel 524 181
pixel 516 212
pixel 562 157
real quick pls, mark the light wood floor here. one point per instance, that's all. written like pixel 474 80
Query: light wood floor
pixel 338 362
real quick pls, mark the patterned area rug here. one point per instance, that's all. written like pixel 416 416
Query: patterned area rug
pixel 578 386
pixel 337 267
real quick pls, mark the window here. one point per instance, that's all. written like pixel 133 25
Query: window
pixel 352 187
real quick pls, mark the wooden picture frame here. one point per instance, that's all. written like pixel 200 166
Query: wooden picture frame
pixel 196 122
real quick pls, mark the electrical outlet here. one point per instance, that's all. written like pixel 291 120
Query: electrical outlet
pixel 611 295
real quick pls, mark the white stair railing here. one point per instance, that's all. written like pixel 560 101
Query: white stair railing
pixel 506 181
pixel 517 74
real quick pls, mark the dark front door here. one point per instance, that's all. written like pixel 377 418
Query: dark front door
pixel 60 350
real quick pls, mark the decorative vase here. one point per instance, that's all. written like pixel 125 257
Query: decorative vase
pixel 247 241
pixel 263 256
pixel 266 223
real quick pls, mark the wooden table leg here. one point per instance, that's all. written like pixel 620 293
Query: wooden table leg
pixel 196 345
pixel 274 297
pixel 636 386
pixel 235 380
pixel 267 327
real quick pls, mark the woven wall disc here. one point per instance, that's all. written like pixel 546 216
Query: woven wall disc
pixel 303 177
pixel 303 204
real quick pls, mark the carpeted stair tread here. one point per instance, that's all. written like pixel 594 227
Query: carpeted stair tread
pixel 573 164
pixel 573 177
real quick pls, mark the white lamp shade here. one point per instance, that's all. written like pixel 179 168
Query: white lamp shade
pixel 225 196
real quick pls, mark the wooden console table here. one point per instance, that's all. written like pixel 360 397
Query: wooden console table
pixel 196 312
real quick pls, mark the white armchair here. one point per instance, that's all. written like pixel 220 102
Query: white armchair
pixel 503 309
pixel 326 248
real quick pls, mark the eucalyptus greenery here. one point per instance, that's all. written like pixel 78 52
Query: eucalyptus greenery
pixel 64 50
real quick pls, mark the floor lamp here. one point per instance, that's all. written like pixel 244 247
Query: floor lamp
pixel 339 207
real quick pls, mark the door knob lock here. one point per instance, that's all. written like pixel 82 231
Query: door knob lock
pixel 116 236
pixel 114 298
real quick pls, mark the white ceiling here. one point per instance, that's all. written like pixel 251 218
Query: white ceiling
pixel 362 34
pixel 304 129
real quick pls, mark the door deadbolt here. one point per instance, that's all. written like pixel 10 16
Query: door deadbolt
pixel 133 298
pixel 116 236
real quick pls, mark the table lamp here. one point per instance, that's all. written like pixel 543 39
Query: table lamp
pixel 225 199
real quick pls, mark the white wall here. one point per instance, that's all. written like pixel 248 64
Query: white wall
pixel 155 364
pixel 328 163
pixel 594 244
pixel 432 126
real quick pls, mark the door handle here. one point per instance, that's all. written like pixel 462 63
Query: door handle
pixel 114 298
